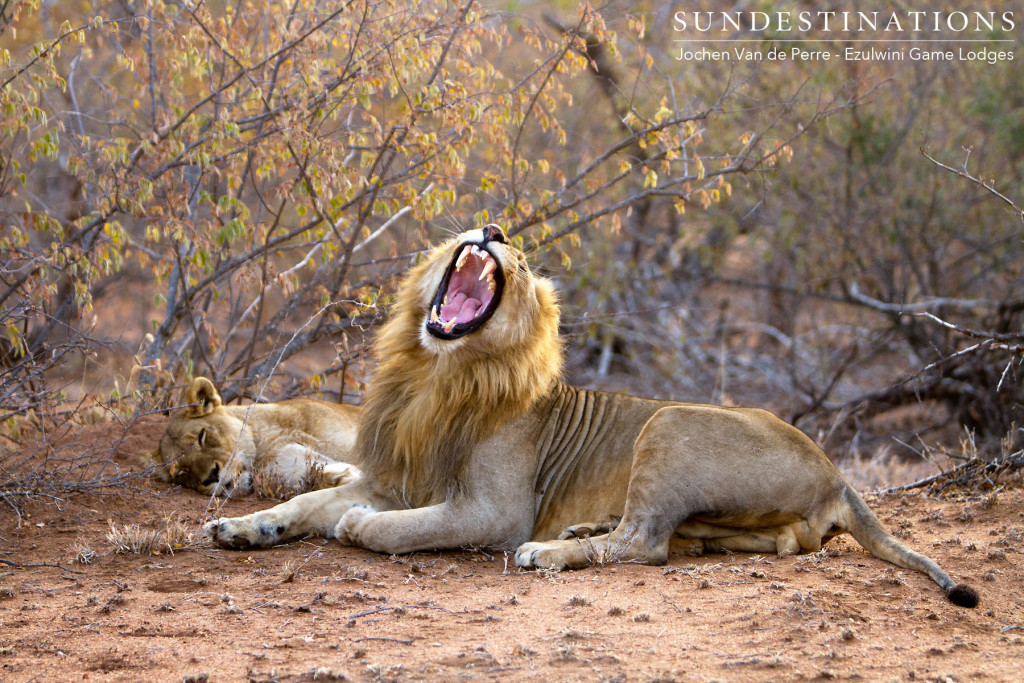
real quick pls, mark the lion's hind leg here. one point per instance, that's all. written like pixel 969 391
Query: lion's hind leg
pixel 788 539
pixel 755 542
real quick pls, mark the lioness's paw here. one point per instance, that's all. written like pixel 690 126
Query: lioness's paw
pixel 239 533
pixel 352 523
pixel 540 556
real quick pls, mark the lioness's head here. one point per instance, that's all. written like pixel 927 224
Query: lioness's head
pixel 196 449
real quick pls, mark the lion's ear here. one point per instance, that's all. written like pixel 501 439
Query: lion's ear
pixel 201 398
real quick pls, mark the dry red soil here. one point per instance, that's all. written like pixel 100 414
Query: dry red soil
pixel 314 610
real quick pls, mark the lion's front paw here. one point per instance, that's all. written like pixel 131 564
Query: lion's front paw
pixel 252 531
pixel 540 556
pixel 352 523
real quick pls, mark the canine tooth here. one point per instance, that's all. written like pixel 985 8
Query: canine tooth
pixel 449 325
pixel 462 259
pixel 445 300
pixel 489 267
pixel 434 317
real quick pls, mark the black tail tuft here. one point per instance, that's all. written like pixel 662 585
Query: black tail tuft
pixel 963 595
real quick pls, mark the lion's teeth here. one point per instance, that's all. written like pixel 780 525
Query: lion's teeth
pixel 434 317
pixel 449 325
pixel 490 284
pixel 488 268
pixel 462 258
pixel 445 300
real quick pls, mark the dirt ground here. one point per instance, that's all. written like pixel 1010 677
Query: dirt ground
pixel 314 610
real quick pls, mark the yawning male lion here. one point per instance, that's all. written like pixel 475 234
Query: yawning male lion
pixel 469 438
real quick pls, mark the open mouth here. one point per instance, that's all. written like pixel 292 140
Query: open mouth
pixel 468 295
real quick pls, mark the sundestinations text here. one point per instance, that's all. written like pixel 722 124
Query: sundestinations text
pixel 845 21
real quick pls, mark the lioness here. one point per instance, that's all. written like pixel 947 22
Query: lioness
pixel 469 438
pixel 214 448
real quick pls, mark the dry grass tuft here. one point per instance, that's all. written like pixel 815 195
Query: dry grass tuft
pixel 579 601
pixel 84 554
pixel 131 539
pixel 287 572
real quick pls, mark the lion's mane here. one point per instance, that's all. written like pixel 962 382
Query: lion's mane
pixel 423 412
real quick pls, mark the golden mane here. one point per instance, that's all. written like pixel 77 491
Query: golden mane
pixel 423 412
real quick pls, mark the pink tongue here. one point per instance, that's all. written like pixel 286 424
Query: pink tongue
pixel 460 308
pixel 468 311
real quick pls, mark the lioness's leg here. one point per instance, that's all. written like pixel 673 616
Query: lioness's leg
pixel 315 512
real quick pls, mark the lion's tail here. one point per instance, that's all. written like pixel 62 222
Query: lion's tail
pixel 865 526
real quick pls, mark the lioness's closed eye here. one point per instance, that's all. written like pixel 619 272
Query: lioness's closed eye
pixel 214 448
pixel 469 437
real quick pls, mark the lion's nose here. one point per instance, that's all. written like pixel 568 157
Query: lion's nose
pixel 494 233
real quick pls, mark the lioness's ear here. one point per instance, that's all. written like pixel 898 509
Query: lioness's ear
pixel 201 397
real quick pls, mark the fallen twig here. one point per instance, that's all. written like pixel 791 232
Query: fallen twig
pixel 390 640
pixel 19 565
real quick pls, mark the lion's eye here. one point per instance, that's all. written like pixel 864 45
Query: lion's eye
pixel 214 476
pixel 201 437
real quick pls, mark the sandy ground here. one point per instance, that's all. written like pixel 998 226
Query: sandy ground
pixel 314 610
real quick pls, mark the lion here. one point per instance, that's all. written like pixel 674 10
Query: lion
pixel 468 437
pixel 216 449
